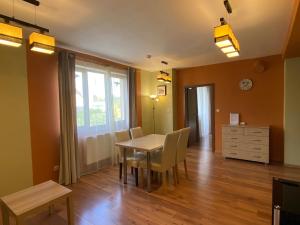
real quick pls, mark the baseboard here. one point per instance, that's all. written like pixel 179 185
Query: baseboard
pixel 292 166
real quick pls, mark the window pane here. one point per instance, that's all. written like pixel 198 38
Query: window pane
pixel 79 99
pixel 117 101
pixel 97 105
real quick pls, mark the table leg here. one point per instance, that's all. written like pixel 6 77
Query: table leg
pixel 5 214
pixel 51 209
pixel 125 165
pixel 70 210
pixel 18 221
pixel 148 172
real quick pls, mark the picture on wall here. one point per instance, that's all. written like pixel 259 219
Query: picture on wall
pixel 161 90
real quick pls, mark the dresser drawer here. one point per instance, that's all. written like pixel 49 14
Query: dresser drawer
pixel 233 130
pixel 256 148
pixel 258 157
pixel 262 132
pixel 233 138
pixel 231 154
pixel 232 146
pixel 257 140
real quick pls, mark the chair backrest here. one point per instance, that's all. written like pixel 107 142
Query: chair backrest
pixel 119 137
pixel 168 154
pixel 182 144
pixel 136 132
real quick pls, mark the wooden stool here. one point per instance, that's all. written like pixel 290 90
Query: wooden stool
pixel 33 199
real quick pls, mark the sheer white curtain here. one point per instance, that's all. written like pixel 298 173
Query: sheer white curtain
pixel 102 108
pixel 204 111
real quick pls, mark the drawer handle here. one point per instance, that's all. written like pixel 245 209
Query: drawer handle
pixel 257 148
pixel 257 140
pixel 256 132
pixel 233 146
pixel 233 153
pixel 233 138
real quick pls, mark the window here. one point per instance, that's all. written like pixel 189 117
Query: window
pixel 101 99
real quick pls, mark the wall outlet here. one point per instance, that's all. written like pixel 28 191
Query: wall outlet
pixel 56 168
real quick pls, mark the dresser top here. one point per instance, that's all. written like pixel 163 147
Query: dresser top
pixel 247 126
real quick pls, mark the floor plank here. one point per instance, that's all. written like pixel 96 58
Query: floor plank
pixel 218 191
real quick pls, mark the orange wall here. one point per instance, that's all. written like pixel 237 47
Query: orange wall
pixel 263 105
pixel 44 114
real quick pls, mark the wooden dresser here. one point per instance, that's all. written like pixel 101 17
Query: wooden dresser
pixel 246 142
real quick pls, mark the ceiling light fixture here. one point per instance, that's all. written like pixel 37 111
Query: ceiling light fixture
pixel 10 35
pixel 42 43
pixel 224 36
pixel 164 76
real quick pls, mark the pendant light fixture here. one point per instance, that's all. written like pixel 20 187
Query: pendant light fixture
pixel 41 43
pixel 224 36
pixel 10 35
pixel 164 76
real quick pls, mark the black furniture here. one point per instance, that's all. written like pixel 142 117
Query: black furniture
pixel 286 202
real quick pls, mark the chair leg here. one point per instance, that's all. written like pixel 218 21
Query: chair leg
pixel 120 170
pixel 164 180
pixel 174 175
pixel 177 174
pixel 131 170
pixel 185 169
pixel 167 176
pixel 159 177
pixel 136 173
pixel 142 177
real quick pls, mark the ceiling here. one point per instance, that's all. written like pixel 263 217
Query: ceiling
pixel 180 32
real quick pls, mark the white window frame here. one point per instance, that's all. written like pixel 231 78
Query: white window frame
pixel 109 73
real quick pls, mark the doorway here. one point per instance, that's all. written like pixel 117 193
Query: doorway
pixel 199 115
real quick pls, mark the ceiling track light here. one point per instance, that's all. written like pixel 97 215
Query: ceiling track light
pixel 8 19
pixel 224 37
pixel 228 6
pixel 42 43
pixel 164 76
pixel 10 35
pixel 32 2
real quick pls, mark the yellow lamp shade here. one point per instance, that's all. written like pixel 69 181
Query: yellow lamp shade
pixel 42 43
pixel 10 35
pixel 168 79
pixel 160 78
pixel 225 37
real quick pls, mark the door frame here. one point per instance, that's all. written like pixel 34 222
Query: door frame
pixel 212 85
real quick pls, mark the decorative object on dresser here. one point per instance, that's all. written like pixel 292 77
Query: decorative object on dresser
pixel 234 119
pixel 246 142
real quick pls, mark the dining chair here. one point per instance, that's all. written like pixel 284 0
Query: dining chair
pixel 181 150
pixel 166 160
pixel 136 132
pixel 132 158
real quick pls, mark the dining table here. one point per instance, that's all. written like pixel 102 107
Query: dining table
pixel 148 143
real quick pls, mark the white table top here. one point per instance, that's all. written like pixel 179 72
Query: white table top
pixel 146 143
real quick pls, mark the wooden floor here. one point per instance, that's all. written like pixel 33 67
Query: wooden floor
pixel 217 192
